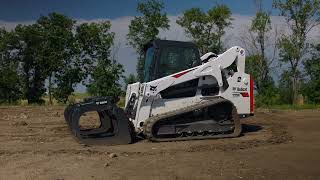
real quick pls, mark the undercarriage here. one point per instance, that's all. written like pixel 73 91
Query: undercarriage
pixel 207 120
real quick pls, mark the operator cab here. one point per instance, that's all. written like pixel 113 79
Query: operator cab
pixel 164 57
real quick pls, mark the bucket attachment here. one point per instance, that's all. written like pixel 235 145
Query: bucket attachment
pixel 114 129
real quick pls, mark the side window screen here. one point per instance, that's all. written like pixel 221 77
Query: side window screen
pixel 148 63
pixel 175 59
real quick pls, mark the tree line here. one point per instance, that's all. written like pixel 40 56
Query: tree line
pixel 58 50
pixel 293 54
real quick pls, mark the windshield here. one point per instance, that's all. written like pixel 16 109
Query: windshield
pixel 148 63
pixel 176 59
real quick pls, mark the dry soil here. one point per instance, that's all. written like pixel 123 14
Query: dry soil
pixel 35 143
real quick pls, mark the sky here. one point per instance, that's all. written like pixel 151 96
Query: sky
pixel 121 12
pixel 27 10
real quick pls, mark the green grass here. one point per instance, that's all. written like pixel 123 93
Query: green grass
pixel 75 97
pixel 293 107
pixel 121 102
pixel 81 95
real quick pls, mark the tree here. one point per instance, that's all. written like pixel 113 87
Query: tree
pixel 46 50
pixel 10 82
pixel 258 62
pixel 130 79
pixel 302 16
pixel 267 91
pixel 144 28
pixel 257 38
pixel 105 79
pixel 61 51
pixel 312 67
pixel 56 50
pixel 95 41
pixel 221 16
pixel 261 24
pixel 27 45
pixel 206 29
pixel 66 80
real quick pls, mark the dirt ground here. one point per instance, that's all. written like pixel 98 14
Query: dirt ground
pixel 35 143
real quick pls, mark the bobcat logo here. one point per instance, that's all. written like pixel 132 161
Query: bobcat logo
pixel 153 88
pixel 101 102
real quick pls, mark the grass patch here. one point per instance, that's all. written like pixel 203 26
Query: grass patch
pixel 121 102
pixel 81 95
pixel 73 98
pixel 293 107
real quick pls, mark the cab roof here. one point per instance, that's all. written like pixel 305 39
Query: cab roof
pixel 158 43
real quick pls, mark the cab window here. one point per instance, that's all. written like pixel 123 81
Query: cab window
pixel 176 59
pixel 148 64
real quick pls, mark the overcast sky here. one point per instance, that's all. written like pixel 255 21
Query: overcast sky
pixel 120 12
pixel 26 10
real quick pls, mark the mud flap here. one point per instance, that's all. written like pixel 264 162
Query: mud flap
pixel 114 127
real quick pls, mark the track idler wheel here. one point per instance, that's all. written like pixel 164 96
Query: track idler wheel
pixel 115 127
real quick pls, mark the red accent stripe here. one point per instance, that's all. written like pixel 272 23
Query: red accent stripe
pixel 251 95
pixel 245 94
pixel 181 73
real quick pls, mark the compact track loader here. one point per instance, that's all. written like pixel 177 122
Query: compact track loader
pixel 183 96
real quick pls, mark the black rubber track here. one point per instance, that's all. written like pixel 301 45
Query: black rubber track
pixel 149 123
pixel 115 127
